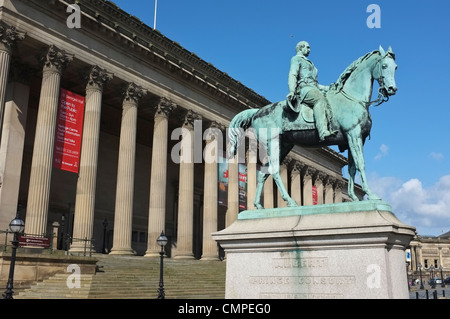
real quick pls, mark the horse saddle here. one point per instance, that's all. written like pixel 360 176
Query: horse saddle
pixel 298 117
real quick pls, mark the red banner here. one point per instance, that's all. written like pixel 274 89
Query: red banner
pixel 42 242
pixel 315 197
pixel 69 131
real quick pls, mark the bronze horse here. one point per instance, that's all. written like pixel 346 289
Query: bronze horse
pixel 279 129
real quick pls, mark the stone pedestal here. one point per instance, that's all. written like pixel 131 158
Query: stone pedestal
pixel 346 250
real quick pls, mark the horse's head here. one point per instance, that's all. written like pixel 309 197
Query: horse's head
pixel 384 73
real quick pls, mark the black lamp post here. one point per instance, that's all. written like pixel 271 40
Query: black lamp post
pixel 420 272
pixel 162 241
pixel 433 284
pixel 442 277
pixel 105 224
pixel 16 226
pixel 407 276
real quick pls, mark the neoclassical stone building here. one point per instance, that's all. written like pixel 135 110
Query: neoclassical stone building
pixel 431 253
pixel 138 88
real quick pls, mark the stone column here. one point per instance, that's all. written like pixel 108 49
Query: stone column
pixel 308 173
pixel 329 191
pixel 158 181
pixel 12 144
pixel 419 257
pixel 296 185
pixel 123 216
pixel 87 177
pixel 318 182
pixel 41 167
pixel 233 191
pixel 338 191
pixel 211 191
pixel 8 37
pixel 413 263
pixel 186 190
pixel 268 193
pixel 251 176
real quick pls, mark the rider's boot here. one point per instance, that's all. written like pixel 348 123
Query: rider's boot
pixel 322 121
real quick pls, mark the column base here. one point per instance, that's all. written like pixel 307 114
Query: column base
pixel 152 253
pixel 123 252
pixel 80 250
pixel 210 258
pixel 184 256
pixel 80 247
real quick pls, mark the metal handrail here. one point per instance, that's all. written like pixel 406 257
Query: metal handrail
pixel 88 246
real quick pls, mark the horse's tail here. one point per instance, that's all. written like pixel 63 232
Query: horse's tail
pixel 238 125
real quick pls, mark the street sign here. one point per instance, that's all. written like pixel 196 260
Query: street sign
pixel 42 242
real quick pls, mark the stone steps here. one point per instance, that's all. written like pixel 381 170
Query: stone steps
pixel 138 278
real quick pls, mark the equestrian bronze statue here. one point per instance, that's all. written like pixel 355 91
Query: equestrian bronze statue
pixel 316 116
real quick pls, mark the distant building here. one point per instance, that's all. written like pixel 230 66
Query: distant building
pixel 432 253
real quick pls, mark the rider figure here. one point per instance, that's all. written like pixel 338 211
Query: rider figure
pixel 304 88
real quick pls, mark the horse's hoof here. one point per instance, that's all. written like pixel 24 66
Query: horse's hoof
pixel 292 204
pixel 373 197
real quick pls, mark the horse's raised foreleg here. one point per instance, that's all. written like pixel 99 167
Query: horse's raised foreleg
pixel 356 150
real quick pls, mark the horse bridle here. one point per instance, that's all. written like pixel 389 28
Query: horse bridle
pixel 382 97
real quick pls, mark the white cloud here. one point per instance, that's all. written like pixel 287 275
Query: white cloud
pixel 437 156
pixel 383 152
pixel 427 209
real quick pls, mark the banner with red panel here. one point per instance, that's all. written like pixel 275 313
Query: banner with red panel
pixel 315 196
pixel 69 131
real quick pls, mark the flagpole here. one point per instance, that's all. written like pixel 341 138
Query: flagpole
pixel 156 10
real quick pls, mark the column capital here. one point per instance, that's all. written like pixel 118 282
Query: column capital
pixel 212 132
pixel 319 176
pixel 97 78
pixel 55 59
pixel 190 118
pixel 165 107
pixel 339 184
pixel 309 171
pixel 217 125
pixel 296 167
pixel 133 93
pixel 330 181
pixel 9 35
pixel 287 161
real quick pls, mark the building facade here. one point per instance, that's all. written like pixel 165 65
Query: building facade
pixel 432 255
pixel 142 96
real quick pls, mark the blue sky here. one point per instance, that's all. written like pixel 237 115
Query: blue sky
pixel 408 156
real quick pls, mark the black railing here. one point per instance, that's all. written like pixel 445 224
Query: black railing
pixel 42 241
pixel 426 294
pixel 46 242
pixel 86 244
